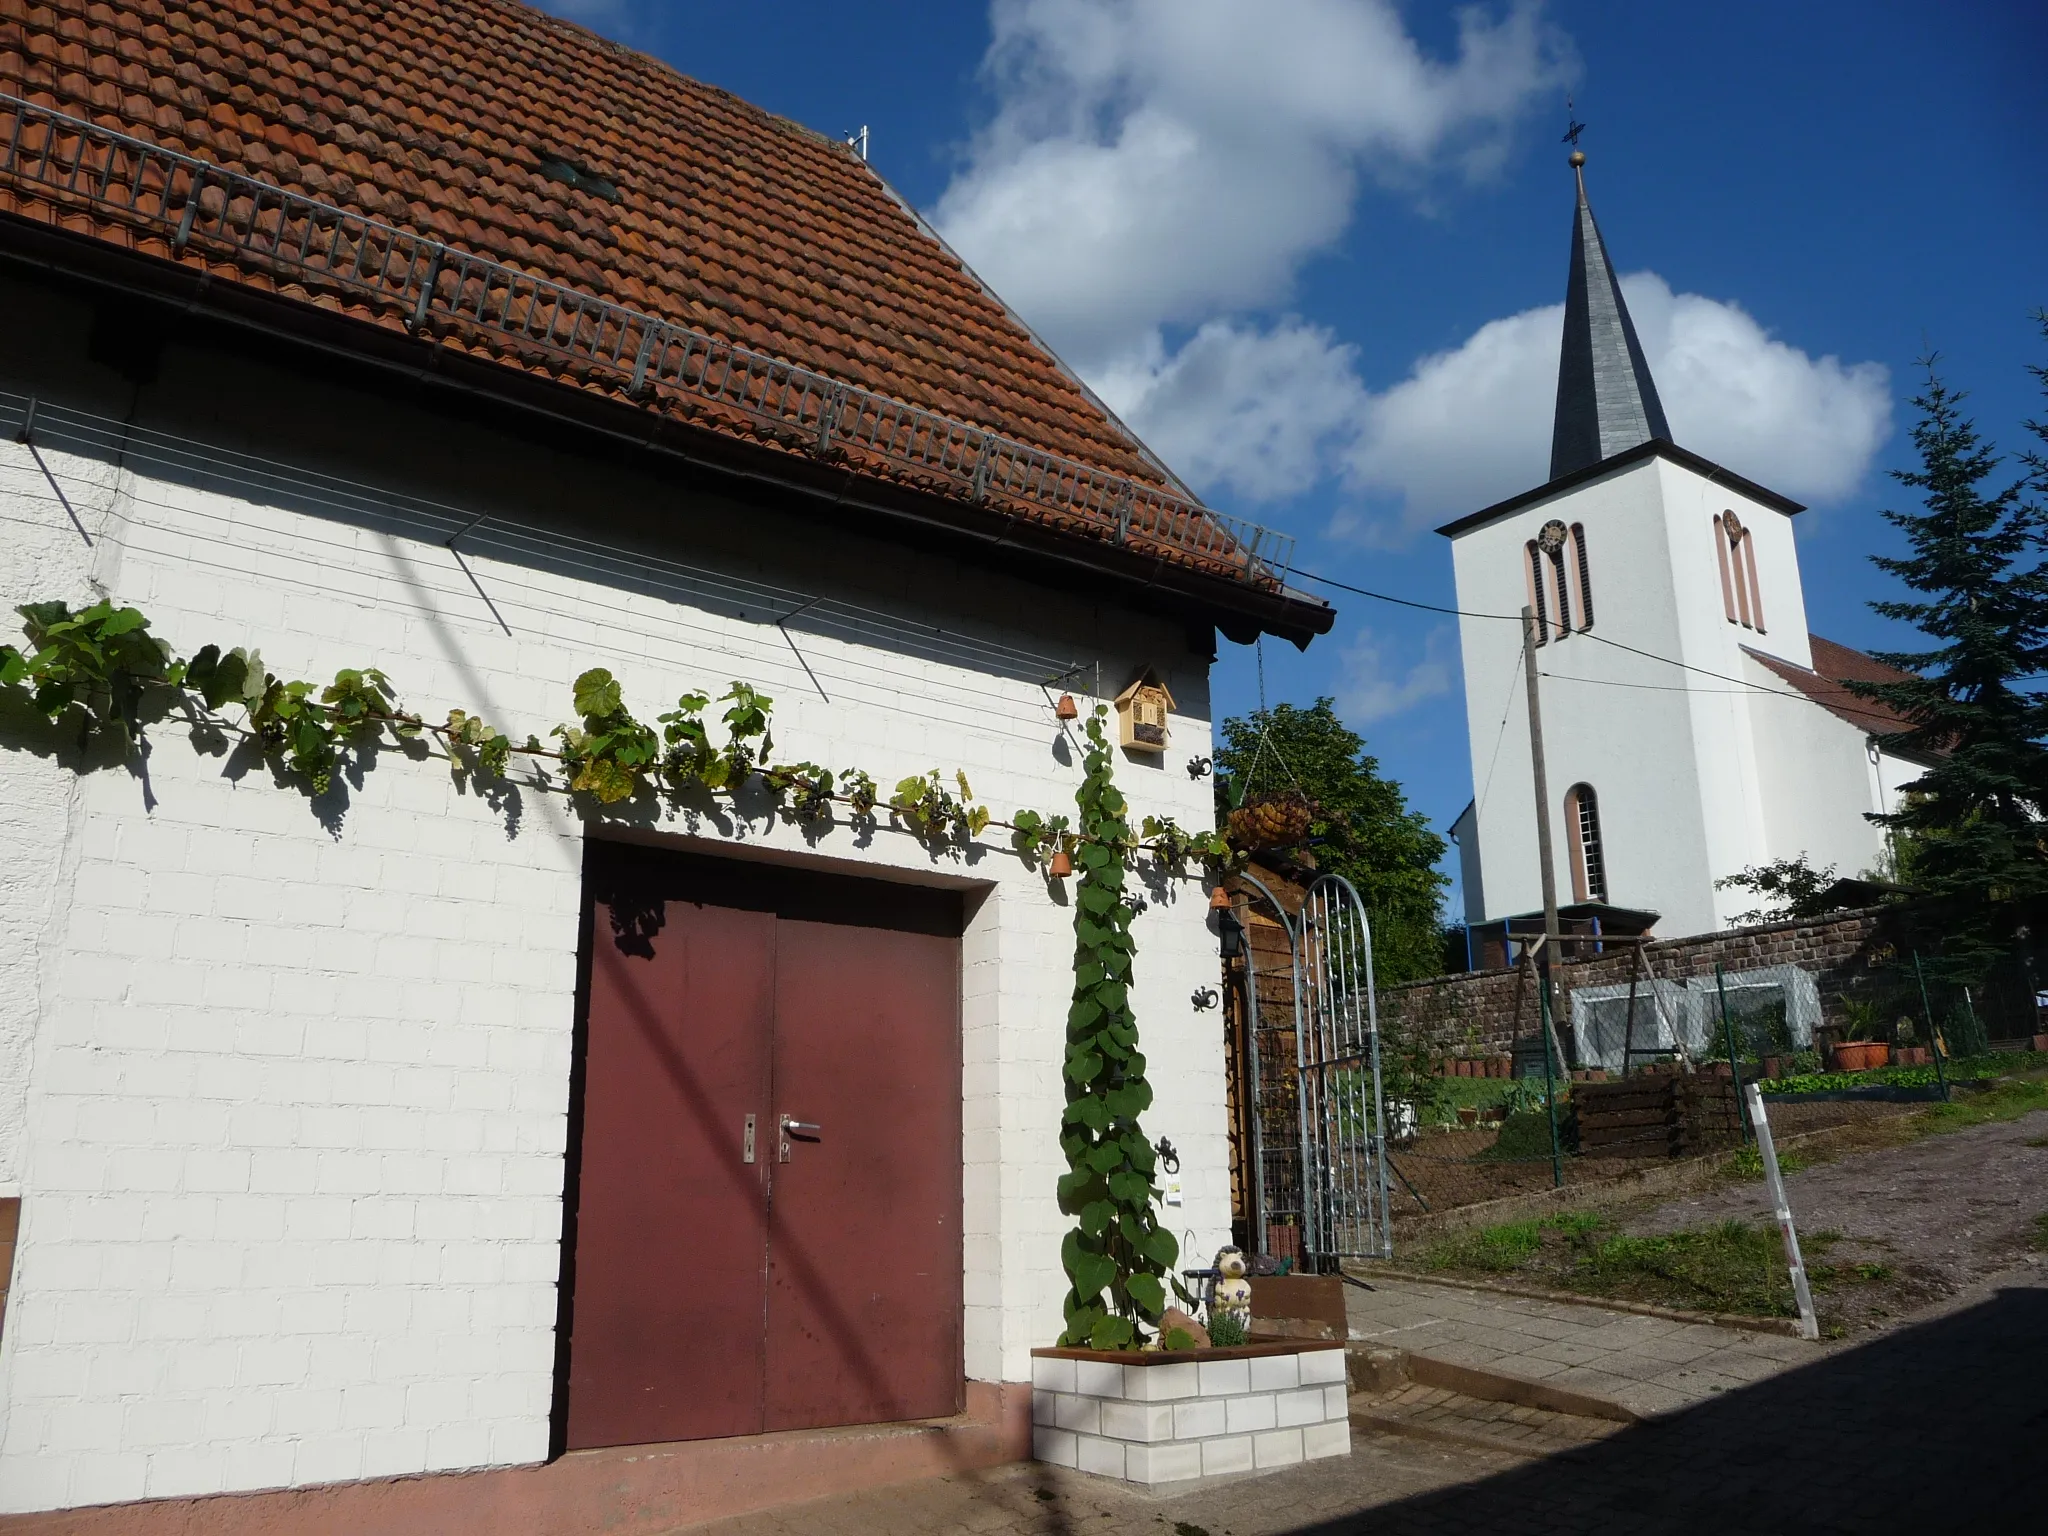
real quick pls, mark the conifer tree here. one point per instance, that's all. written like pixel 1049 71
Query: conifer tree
pixel 1973 822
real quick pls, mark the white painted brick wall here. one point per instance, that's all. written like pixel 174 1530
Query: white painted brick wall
pixel 290 1137
pixel 1173 1420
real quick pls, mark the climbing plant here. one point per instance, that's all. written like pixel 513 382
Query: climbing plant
pixel 1117 1256
pixel 99 670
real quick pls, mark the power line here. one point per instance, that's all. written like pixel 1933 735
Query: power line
pixel 1742 683
pixel 1744 691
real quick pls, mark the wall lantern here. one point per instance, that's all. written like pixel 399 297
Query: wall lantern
pixel 1231 934
pixel 1067 709
pixel 1141 711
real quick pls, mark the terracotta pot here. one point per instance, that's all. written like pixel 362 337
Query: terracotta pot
pixel 1464 1067
pixel 1775 1066
pixel 1468 1114
pixel 1503 1065
pixel 2041 1042
pixel 1062 865
pixel 1860 1055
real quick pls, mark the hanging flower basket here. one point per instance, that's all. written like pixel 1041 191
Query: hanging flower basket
pixel 1271 821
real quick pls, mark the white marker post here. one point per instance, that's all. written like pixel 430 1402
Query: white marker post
pixel 1809 1325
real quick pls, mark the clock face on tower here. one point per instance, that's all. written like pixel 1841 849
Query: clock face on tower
pixel 1552 536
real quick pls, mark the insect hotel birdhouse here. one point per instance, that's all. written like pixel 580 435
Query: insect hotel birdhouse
pixel 1141 714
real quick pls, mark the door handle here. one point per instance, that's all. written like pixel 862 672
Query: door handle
pixel 803 1130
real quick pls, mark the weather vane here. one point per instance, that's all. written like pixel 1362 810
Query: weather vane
pixel 1573 127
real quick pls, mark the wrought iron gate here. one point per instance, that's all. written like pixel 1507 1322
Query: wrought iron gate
pixel 1337 1044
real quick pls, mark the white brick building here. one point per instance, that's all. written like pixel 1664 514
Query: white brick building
pixel 287 1085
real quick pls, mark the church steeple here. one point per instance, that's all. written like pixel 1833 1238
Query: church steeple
pixel 1606 400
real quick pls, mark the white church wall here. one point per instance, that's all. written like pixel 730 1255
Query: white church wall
pixel 1471 876
pixel 1610 717
pixel 1817 778
pixel 1740 759
pixel 295 1113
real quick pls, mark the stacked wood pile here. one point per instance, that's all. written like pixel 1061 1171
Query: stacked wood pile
pixel 1657 1114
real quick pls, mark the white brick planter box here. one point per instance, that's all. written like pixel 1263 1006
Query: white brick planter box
pixel 1158 1417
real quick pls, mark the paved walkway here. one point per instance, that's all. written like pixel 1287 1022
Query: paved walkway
pixel 1934 1426
pixel 1432 1413
pixel 1649 1365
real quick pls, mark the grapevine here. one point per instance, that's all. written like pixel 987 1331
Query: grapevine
pixel 101 670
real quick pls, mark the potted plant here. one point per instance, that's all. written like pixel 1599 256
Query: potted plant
pixel 1860 1049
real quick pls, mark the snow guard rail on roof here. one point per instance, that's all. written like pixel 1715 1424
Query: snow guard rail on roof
pixel 191 202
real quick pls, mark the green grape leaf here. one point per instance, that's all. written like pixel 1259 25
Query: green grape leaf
pixel 1084 1068
pixel 1112 1333
pixel 1147 1292
pixel 1090 1111
pixel 1090 1272
pixel 1131 1188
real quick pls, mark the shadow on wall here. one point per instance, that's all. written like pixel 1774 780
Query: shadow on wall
pixel 1935 1428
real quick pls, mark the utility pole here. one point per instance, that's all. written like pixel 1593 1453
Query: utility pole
pixel 1551 954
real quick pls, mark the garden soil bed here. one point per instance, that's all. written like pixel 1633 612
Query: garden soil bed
pixel 1446 1166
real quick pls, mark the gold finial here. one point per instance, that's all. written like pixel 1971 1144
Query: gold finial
pixel 1578 159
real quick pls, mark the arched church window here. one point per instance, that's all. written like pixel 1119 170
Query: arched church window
pixel 1741 597
pixel 1553 569
pixel 1582 571
pixel 1589 858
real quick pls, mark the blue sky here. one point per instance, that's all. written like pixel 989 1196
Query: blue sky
pixel 1310 247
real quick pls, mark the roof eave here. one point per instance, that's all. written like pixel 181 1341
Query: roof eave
pixel 1655 448
pixel 1240 611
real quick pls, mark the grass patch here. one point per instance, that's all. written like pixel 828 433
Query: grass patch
pixel 1495 1250
pixel 1748 1163
pixel 2041 1232
pixel 1525 1137
pixel 1732 1266
pixel 2037 1141
pixel 2006 1100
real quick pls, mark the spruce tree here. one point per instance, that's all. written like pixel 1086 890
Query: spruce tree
pixel 1973 822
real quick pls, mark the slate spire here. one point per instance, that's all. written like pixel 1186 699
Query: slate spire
pixel 1606 400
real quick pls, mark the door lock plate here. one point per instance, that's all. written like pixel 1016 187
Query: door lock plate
pixel 747 1142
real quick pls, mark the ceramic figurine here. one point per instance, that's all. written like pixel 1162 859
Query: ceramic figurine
pixel 1233 1292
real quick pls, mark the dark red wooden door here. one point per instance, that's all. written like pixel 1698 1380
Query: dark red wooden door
pixel 864 1287
pixel 710 1296
pixel 671 1221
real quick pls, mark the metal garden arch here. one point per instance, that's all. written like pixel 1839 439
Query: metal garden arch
pixel 1337 1057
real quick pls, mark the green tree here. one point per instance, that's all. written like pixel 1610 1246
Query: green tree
pixel 1790 888
pixel 1363 828
pixel 1973 820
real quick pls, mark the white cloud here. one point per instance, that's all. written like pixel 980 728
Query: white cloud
pixel 1257 413
pixel 1376 685
pixel 1158 162
pixel 1154 165
pixel 1472 425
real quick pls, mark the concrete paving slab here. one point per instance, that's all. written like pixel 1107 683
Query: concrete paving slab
pixel 1646 1364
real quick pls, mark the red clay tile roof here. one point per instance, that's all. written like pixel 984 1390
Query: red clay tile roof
pixel 1834 665
pixel 435 117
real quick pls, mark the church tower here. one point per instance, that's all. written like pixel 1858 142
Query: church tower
pixel 1682 738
